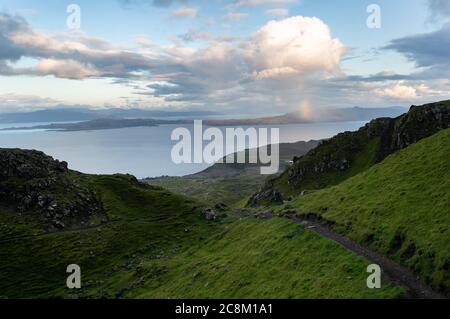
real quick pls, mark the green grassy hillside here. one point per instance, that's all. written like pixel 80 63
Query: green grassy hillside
pixel 216 190
pixel 345 148
pixel 251 258
pixel 157 244
pixel 400 207
pixel 141 221
pixel 231 184
pixel 350 153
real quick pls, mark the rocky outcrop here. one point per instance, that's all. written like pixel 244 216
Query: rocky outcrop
pixel 420 122
pixel 350 153
pixel 269 194
pixel 15 163
pixel 210 214
pixel 32 182
pixel 213 215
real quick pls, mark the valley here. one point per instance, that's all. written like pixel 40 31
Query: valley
pixel 135 239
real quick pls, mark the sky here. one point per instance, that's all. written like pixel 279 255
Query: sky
pixel 237 57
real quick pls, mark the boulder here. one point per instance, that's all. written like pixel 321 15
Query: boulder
pixel 210 214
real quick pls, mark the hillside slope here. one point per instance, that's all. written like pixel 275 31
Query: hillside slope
pixel 157 244
pixel 142 220
pixel 251 258
pixel 218 183
pixel 400 207
pixel 350 153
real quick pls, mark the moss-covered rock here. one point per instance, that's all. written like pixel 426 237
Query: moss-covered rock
pixel 32 182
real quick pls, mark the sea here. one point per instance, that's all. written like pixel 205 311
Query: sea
pixel 140 151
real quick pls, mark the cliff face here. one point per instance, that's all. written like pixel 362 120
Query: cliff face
pixel 350 153
pixel 420 122
pixel 16 163
pixel 32 182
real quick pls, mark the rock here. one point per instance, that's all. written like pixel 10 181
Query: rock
pixel 28 164
pixel 41 201
pixel 31 181
pixel 58 224
pixel 27 200
pixel 270 195
pixel 210 214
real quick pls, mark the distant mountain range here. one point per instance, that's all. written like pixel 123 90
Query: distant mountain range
pixel 320 115
pixel 83 114
pixel 95 125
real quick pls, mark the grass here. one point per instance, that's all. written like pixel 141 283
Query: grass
pixel 356 148
pixel 142 221
pixel 156 245
pixel 232 191
pixel 263 259
pixel 400 207
pixel 231 184
pixel 350 153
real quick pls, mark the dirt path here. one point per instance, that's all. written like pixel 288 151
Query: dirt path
pixel 413 286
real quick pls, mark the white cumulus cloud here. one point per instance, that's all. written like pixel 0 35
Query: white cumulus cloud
pixel 294 45
pixel 400 92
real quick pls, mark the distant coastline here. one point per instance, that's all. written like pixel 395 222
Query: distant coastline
pixel 331 115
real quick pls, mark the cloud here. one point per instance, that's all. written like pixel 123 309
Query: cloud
pixel 277 12
pixel 9 25
pixel 85 56
pixel 198 35
pixel 276 58
pixel 156 3
pixel 282 58
pixel 378 90
pixel 185 13
pixel 12 102
pixel 384 76
pixel 400 92
pixel 428 49
pixel 439 9
pixel 68 69
pixel 235 16
pixel 431 53
pixel 254 3
pixel 278 65
pixel 273 73
pixel 294 45
pixel 413 90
